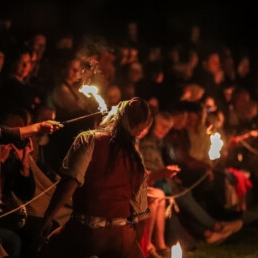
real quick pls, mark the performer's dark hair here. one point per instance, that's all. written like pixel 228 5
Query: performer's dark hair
pixel 129 114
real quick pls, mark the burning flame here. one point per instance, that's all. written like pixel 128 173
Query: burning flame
pixel 92 90
pixel 216 145
pixel 176 251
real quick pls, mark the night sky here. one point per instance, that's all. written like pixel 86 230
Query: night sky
pixel 236 24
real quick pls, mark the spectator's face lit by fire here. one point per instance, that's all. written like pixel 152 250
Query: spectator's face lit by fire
pixel 162 126
pixel 213 64
pixel 113 95
pixel 23 66
pixel 73 73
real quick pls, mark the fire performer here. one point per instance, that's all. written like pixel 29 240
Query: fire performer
pixel 102 173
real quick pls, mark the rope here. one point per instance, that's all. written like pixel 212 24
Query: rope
pixel 185 191
pixel 249 147
pixel 30 201
pixel 172 198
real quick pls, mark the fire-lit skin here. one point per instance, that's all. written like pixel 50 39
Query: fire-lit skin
pixel 162 127
pixel 23 67
pixel 73 72
pixel 45 127
pixel 113 95
pixel 213 65
pixel 156 222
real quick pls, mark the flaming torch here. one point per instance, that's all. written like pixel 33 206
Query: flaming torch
pixel 176 251
pixel 89 91
pixel 216 145
pixel 92 90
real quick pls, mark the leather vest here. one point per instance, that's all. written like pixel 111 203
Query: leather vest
pixel 107 192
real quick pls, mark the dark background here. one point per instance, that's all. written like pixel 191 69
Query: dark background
pixel 233 23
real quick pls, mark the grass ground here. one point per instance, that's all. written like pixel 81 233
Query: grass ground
pixel 243 244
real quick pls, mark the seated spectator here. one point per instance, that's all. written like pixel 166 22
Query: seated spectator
pixel 155 224
pixel 69 103
pixel 192 169
pixel 19 176
pixel 65 97
pixel 113 95
pixel 245 76
pixel 17 181
pixel 241 100
pixel 197 133
pixel 133 76
pixel 152 148
pixel 209 104
pixel 43 71
pixel 16 149
pixel 209 75
pixel 15 90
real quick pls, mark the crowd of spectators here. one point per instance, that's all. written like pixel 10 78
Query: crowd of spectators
pixel 194 88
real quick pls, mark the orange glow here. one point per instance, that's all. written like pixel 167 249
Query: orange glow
pixel 216 145
pixel 176 251
pixel 93 90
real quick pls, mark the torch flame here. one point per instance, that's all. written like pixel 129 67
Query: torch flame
pixel 176 251
pixel 216 145
pixel 92 90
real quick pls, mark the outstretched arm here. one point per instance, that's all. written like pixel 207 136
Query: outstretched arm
pixel 45 127
pixel 234 140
